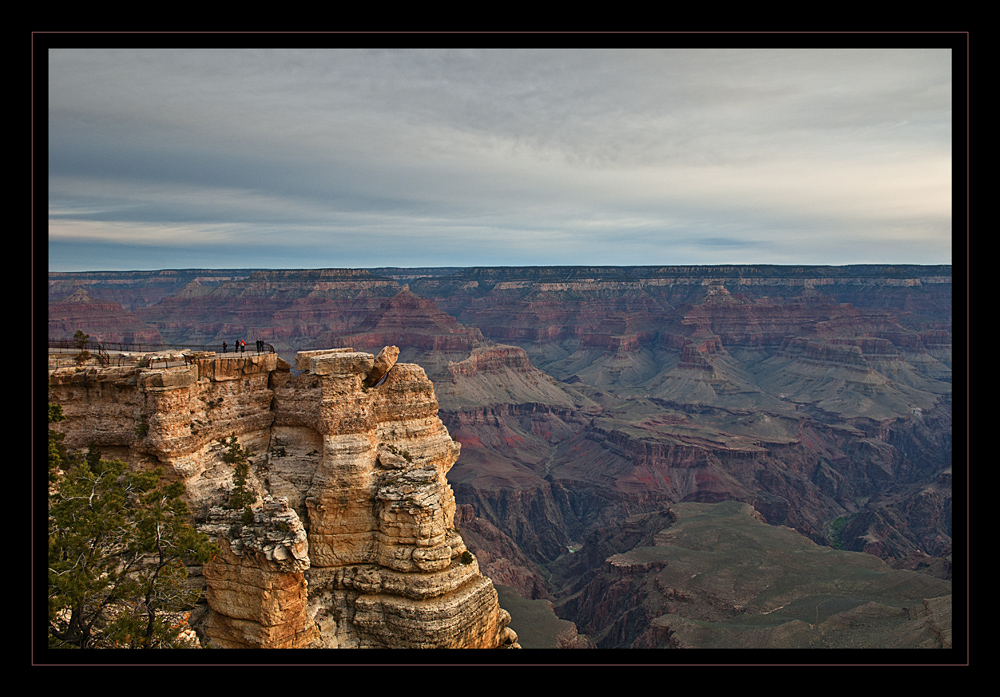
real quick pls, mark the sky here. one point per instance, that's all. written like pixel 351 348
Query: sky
pixel 360 158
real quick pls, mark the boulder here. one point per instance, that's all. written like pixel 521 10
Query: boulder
pixel 384 361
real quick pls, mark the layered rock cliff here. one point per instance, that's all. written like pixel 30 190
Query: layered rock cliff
pixel 106 321
pixel 135 289
pixel 353 541
pixel 584 395
pixel 288 309
pixel 256 591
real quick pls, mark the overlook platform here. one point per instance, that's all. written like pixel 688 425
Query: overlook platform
pixel 66 353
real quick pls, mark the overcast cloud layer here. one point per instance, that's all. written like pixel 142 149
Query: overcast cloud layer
pixel 357 158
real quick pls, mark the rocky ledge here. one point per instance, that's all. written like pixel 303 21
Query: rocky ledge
pixel 353 540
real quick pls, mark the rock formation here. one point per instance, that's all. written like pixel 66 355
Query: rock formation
pixel 256 587
pixel 136 289
pixel 384 362
pixel 582 396
pixel 106 321
pixel 355 544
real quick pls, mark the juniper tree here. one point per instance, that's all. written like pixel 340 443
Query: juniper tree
pixel 58 456
pixel 118 542
pixel 242 495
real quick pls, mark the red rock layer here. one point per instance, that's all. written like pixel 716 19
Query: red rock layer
pixel 103 321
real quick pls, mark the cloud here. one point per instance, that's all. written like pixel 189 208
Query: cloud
pixel 502 156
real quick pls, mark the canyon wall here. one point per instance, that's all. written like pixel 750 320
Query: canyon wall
pixel 353 542
pixel 583 396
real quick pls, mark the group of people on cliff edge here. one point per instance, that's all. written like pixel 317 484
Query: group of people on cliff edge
pixel 241 346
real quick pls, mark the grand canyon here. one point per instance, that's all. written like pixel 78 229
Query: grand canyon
pixel 634 457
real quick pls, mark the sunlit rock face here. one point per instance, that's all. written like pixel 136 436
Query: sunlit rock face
pixel 353 541
pixel 256 586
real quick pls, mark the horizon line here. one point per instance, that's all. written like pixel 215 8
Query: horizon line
pixel 506 266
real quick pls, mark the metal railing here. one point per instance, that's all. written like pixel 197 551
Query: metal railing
pixel 108 352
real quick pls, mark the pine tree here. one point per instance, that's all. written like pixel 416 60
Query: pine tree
pixel 80 340
pixel 242 495
pixel 118 542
